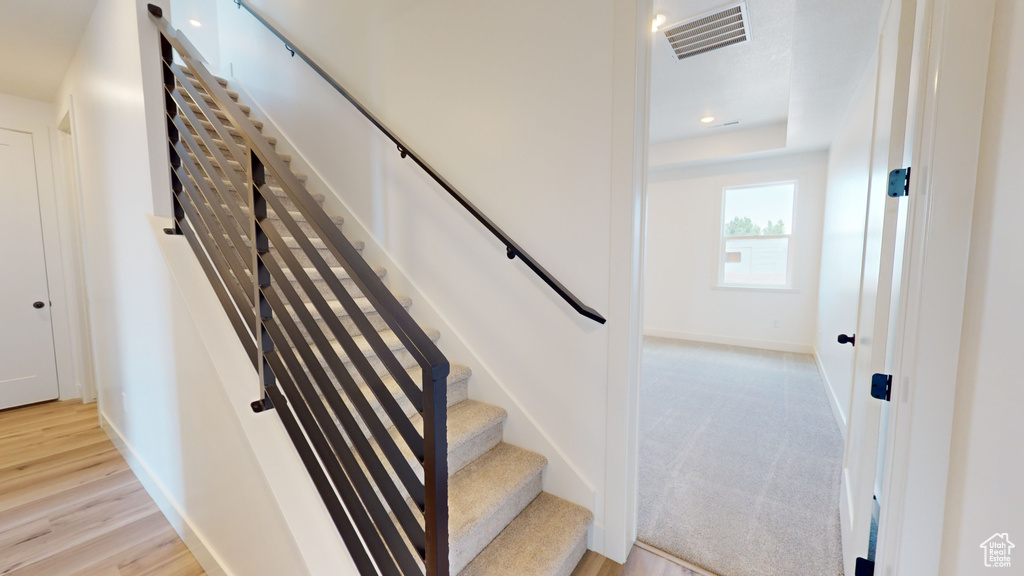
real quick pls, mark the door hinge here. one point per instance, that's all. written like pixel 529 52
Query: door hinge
pixel 881 386
pixel 864 568
pixel 899 182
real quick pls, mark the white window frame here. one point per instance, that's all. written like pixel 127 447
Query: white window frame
pixel 720 280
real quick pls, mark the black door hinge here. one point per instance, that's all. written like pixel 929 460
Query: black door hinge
pixel 881 386
pixel 899 182
pixel 864 568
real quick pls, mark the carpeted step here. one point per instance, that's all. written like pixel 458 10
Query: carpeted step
pixel 286 200
pixel 340 313
pixel 299 219
pixel 340 273
pixel 486 496
pixel 242 171
pixel 192 76
pixel 222 116
pixel 234 133
pixel 404 358
pixel 474 429
pixel 548 539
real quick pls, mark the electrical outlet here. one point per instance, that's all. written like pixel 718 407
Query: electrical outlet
pixel 776 323
pixel 124 402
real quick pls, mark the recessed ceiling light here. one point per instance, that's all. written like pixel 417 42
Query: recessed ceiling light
pixel 195 22
pixel 707 120
pixel 658 21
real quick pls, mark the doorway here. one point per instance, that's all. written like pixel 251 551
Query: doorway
pixel 770 126
pixel 28 367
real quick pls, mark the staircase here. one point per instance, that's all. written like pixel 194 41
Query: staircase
pixel 338 369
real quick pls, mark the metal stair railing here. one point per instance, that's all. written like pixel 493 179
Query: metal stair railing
pixel 318 378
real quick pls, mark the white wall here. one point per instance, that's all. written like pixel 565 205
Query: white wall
pixel 986 471
pixel 682 298
pixel 157 390
pixel 842 244
pixel 514 106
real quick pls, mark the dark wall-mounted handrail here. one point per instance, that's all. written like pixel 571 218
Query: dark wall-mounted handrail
pixel 512 249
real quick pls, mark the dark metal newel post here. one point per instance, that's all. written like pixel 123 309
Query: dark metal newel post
pixel 167 58
pixel 435 472
pixel 261 276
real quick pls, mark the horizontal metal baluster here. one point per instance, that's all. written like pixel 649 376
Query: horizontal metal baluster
pixel 334 506
pixel 384 440
pixel 395 500
pixel 373 338
pixel 235 265
pixel 361 510
pixel 237 182
pixel 216 254
pixel 412 437
pixel 244 332
pixel 391 311
pixel 237 151
pixel 214 198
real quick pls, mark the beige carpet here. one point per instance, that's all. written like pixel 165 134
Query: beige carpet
pixel 740 460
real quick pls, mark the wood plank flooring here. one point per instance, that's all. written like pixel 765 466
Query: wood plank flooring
pixel 70 505
pixel 642 561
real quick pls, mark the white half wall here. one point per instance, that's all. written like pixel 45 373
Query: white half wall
pixel 842 245
pixel 158 389
pixel 682 299
pixel 986 470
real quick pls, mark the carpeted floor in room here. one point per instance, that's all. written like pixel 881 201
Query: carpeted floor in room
pixel 740 460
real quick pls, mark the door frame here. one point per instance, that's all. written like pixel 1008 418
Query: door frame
pixel 956 37
pixel 45 151
pixel 948 114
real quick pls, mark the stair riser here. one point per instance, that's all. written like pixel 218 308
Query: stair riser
pixel 478 539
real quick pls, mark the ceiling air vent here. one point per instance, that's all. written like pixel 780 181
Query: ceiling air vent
pixel 711 32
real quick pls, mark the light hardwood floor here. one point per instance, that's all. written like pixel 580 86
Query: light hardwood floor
pixel 642 561
pixel 70 505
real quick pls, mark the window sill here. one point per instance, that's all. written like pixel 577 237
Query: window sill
pixel 743 288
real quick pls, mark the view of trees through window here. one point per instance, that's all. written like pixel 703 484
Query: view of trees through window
pixel 746 227
pixel 755 235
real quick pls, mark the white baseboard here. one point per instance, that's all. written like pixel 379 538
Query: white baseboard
pixel 833 400
pixel 195 542
pixel 729 341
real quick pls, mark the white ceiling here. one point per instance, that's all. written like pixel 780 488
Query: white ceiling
pixel 799 69
pixel 38 38
pixel 748 82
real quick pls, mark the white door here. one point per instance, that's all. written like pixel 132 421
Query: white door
pixel 28 370
pixel 895 53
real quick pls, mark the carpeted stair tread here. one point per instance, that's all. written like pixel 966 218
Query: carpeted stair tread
pixel 241 170
pixel 364 306
pixel 339 272
pixel 485 496
pixel 547 539
pixel 222 116
pixel 390 340
pixel 192 75
pixel 474 428
pixel 277 190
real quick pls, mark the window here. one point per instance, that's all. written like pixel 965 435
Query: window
pixel 757 226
